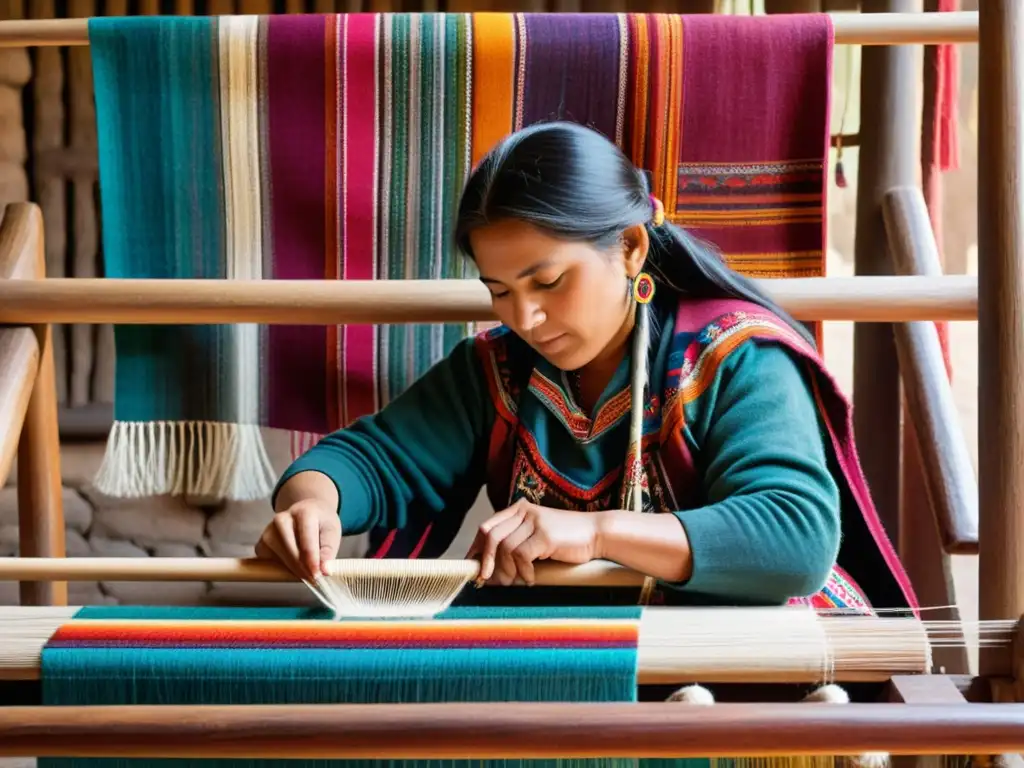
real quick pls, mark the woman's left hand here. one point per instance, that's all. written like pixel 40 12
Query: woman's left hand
pixel 508 543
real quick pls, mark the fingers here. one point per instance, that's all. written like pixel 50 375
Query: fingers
pixel 307 534
pixel 527 553
pixel 507 544
pixel 330 541
pixel 303 538
pixel 477 547
pixel 500 517
pixel 272 547
pixel 506 566
pixel 285 544
pixel 493 532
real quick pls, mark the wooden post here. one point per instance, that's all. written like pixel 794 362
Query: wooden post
pixel 888 136
pixel 40 500
pixel 1000 318
pixel 40 497
pixel 939 491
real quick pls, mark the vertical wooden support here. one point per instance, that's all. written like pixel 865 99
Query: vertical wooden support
pixel 81 125
pixel 50 190
pixel 1000 318
pixel 888 137
pixel 948 503
pixel 40 501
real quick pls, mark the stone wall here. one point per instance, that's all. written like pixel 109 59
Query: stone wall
pixel 100 526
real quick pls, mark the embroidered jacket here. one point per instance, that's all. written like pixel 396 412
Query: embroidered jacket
pixel 747 440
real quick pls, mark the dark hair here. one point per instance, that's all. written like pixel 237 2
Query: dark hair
pixel 573 182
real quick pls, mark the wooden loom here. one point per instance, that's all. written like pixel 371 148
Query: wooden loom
pixel 973 717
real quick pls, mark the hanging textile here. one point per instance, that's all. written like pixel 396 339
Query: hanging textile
pixel 940 143
pixel 335 147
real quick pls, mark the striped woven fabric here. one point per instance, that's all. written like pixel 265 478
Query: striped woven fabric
pixel 172 655
pixel 335 147
pixel 159 655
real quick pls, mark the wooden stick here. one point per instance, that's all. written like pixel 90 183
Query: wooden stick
pixel 1001 324
pixel 19 361
pixel 952 487
pixel 939 513
pixel 40 497
pixel 850 29
pixel 596 573
pixel 508 730
pixel 319 302
pixel 887 157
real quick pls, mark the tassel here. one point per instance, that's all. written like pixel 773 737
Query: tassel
pixel 693 694
pixel 833 694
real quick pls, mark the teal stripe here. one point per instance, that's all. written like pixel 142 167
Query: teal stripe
pixel 399 56
pixel 458 139
pixel 184 676
pixel 424 254
pixel 104 676
pixel 159 148
pixel 441 126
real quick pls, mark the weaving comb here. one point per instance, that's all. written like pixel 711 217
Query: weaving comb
pixel 395 588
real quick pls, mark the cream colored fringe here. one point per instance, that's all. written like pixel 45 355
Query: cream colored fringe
pixel 212 459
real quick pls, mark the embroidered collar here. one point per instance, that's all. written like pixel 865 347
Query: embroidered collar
pixel 551 386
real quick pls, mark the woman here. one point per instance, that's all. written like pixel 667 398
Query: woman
pixel 621 336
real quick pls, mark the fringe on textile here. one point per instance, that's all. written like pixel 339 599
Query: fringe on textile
pixel 210 459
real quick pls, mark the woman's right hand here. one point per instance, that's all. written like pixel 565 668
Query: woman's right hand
pixel 303 537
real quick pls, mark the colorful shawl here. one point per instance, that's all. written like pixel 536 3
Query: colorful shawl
pixel 335 147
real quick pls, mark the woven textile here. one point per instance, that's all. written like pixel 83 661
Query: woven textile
pixel 335 147
pixel 138 655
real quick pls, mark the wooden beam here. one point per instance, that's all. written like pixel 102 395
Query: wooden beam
pixel 907 28
pixel 341 302
pixel 1001 319
pixel 19 362
pixel 496 730
pixel 888 133
pixel 40 496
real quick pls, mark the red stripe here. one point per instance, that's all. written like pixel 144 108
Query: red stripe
pixel 342 635
pixel 386 545
pixel 333 254
pixel 337 643
pixel 419 544
pixel 360 204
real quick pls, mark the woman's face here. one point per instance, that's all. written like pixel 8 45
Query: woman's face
pixel 567 300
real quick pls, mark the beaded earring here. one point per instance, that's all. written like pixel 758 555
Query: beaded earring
pixel 643 288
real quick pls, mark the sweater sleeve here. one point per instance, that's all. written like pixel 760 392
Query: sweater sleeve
pixel 423 453
pixel 770 527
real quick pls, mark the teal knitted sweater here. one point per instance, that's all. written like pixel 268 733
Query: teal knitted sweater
pixel 736 450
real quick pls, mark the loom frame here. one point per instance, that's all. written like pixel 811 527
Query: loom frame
pixel 892 239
